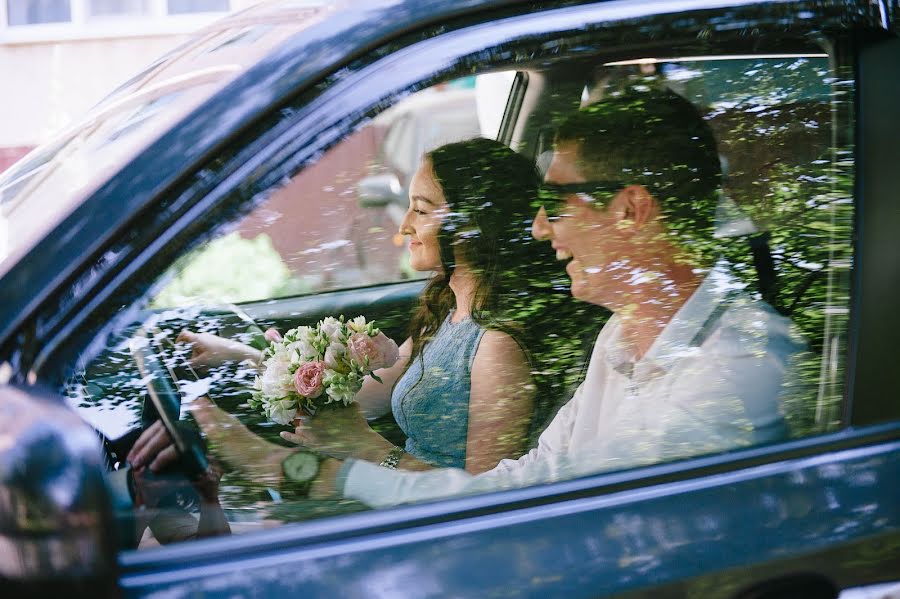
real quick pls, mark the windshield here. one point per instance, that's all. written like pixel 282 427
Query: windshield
pixel 45 186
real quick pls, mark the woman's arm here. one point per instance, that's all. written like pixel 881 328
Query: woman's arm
pixel 500 408
pixel 375 398
pixel 501 402
pixel 209 351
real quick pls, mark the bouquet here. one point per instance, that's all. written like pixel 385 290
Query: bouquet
pixel 312 367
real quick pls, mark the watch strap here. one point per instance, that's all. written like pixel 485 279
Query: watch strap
pixel 393 458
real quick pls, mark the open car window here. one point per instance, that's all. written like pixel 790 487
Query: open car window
pixel 756 356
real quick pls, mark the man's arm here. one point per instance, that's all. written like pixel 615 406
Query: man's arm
pixel 381 487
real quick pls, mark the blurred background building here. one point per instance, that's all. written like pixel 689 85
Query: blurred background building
pixel 59 57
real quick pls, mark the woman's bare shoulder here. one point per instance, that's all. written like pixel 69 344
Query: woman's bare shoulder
pixel 498 346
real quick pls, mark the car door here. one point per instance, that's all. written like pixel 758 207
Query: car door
pixel 813 514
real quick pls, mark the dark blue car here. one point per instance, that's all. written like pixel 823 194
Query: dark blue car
pixel 256 178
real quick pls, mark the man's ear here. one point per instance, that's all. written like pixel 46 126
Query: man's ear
pixel 637 205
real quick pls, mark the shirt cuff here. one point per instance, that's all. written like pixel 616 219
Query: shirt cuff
pixel 340 480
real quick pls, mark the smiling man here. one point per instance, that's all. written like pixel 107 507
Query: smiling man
pixel 689 364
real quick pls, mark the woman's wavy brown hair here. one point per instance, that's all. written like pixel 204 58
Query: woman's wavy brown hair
pixel 491 193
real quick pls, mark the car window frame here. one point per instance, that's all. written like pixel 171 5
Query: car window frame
pixel 310 56
pixel 876 268
pixel 498 502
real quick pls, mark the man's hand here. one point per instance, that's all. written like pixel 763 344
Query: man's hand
pixel 210 351
pixel 153 449
pixel 255 458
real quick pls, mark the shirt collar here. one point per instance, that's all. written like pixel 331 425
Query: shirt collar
pixel 695 320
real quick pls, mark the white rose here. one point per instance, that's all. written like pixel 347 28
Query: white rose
pixel 331 327
pixel 334 356
pixel 297 333
pixel 282 411
pixel 303 350
pixel 281 353
pixel 276 379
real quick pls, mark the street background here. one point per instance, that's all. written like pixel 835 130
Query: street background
pixel 60 57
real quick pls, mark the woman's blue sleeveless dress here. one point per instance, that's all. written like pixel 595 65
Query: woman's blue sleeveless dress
pixel 431 400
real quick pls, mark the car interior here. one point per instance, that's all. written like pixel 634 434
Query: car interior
pixel 314 249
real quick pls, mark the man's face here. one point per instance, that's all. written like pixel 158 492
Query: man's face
pixel 591 237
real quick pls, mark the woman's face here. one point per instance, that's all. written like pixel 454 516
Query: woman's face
pixel 427 208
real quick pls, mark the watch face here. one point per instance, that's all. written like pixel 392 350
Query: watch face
pixel 301 467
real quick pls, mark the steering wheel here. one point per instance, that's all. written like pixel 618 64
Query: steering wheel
pixel 163 401
pixel 151 352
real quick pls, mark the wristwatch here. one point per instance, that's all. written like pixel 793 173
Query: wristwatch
pixel 300 470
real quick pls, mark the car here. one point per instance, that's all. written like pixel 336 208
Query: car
pixel 240 183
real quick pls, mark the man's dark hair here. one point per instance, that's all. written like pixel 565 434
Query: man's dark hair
pixel 655 138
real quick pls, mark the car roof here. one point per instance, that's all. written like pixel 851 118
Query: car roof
pixel 238 40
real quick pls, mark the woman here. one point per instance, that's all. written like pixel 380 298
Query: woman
pixel 462 389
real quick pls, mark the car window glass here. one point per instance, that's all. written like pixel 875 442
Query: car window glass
pixel 658 296
pixel 336 224
pixel 399 143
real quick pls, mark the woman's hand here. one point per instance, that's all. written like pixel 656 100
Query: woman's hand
pixel 337 432
pixel 210 351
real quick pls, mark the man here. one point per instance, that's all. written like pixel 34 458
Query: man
pixel 689 363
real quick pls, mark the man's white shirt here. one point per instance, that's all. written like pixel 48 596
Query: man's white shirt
pixel 712 381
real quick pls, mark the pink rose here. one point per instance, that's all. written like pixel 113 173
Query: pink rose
pixel 380 350
pixel 308 379
pixel 388 351
pixel 272 335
